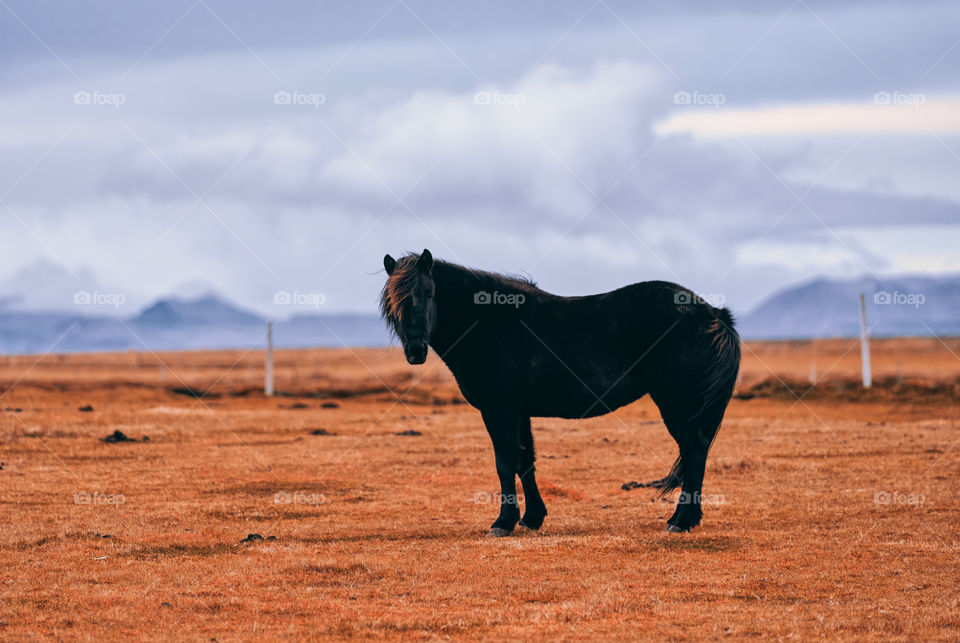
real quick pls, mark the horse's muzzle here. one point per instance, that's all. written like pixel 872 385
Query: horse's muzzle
pixel 415 354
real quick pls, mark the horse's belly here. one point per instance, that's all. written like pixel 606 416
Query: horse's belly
pixel 582 398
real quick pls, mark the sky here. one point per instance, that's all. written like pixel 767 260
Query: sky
pixel 251 149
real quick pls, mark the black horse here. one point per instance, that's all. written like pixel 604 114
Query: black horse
pixel 517 352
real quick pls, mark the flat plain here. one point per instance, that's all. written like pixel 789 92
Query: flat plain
pixel 355 504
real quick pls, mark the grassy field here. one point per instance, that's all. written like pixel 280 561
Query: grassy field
pixel 831 513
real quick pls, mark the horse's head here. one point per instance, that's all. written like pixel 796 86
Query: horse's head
pixel 408 302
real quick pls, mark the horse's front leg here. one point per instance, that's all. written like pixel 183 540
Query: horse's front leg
pixel 502 428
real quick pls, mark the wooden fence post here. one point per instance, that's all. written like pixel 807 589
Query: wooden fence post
pixel 268 367
pixel 864 344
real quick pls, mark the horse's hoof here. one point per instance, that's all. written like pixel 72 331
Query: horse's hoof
pixel 532 524
pixel 673 529
pixel 497 532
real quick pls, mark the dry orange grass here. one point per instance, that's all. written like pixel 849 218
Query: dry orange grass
pixel 826 518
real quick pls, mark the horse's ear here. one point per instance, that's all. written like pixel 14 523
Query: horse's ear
pixel 389 263
pixel 426 261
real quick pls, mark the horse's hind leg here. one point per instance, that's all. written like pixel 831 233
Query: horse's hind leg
pixel 534 511
pixel 688 513
pixel 692 402
pixel 684 423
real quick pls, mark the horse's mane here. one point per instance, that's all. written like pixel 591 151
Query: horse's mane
pixel 401 283
pixel 398 288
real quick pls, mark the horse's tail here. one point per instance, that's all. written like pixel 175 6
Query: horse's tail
pixel 719 381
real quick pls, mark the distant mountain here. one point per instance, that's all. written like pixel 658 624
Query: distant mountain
pixel 822 308
pixel 207 310
pixel 896 306
pixel 177 323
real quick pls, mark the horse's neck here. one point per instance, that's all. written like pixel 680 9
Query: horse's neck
pixel 456 312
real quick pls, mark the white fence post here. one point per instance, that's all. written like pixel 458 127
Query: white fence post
pixel 864 344
pixel 268 367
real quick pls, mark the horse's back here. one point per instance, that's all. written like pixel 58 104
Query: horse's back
pixel 590 355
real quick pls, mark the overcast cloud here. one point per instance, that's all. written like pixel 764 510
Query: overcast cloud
pixel 252 148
